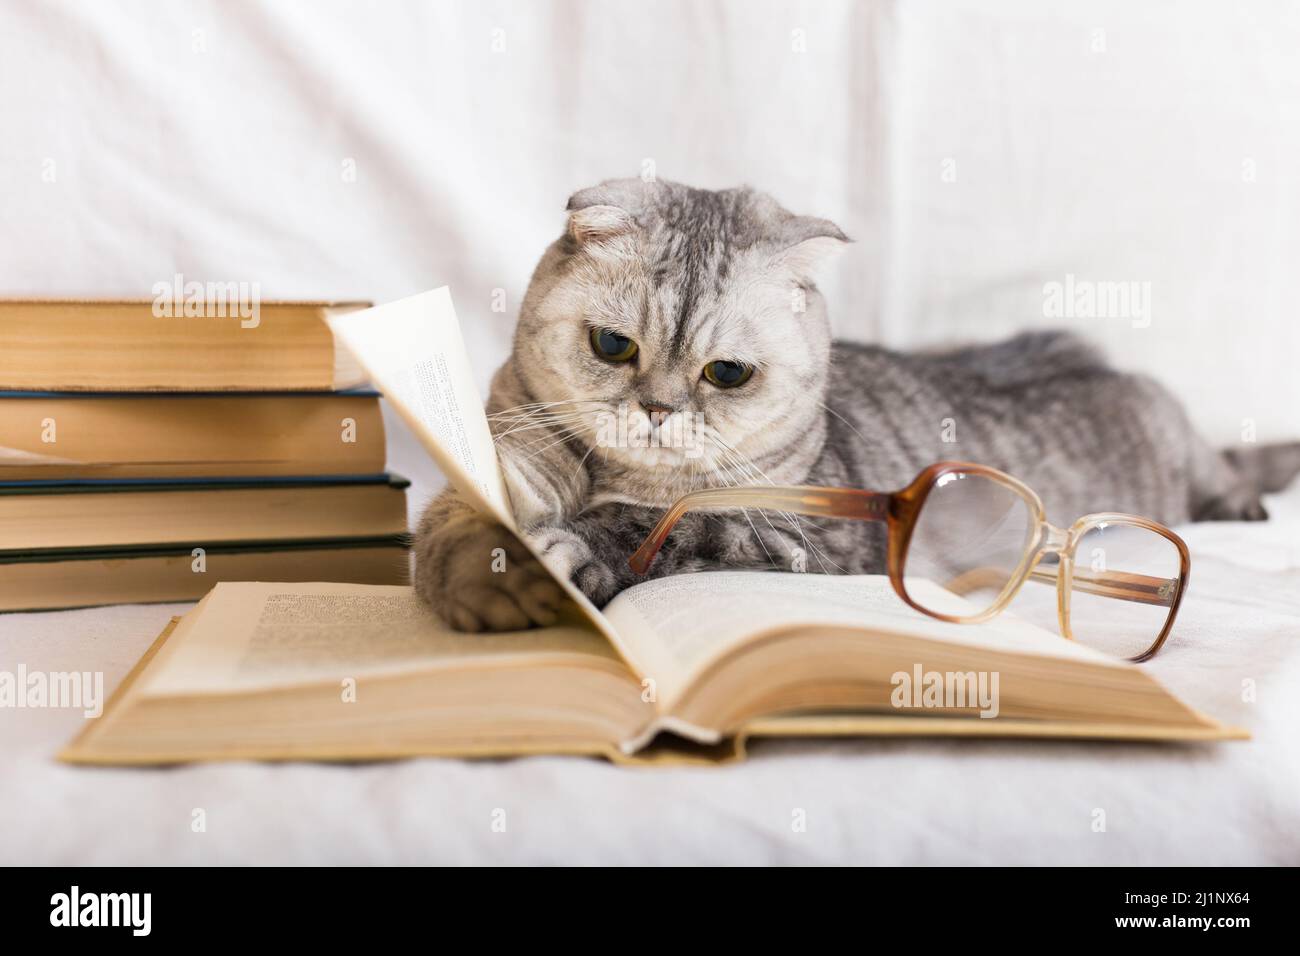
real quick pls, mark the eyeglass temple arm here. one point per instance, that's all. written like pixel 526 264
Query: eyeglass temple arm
pixel 800 500
pixel 1121 585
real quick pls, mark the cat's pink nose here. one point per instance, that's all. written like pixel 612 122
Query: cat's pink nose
pixel 657 411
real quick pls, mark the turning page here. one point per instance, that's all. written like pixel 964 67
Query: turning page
pixel 413 351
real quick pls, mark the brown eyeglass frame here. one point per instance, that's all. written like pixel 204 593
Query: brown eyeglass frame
pixel 899 510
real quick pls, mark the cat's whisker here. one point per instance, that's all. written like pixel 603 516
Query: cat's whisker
pixel 546 427
pixel 531 424
pixel 529 407
pixel 525 424
pixel 564 436
pixel 583 460
pixel 850 425
pixel 826 408
pixel 726 457
pixel 549 438
pixel 759 538
pixel 515 415
pixel 744 511
pixel 534 426
pixel 540 415
pixel 550 422
pixel 748 467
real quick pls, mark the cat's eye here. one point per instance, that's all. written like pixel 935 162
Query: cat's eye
pixel 611 346
pixel 727 374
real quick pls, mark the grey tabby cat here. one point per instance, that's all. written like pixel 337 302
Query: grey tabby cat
pixel 685 306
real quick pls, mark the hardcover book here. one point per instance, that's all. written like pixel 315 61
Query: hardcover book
pixel 47 436
pixel 98 345
pixel 77 543
pixel 684 667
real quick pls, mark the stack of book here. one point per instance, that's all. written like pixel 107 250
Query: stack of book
pixel 147 457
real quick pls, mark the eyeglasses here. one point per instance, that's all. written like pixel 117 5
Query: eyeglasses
pixel 981 534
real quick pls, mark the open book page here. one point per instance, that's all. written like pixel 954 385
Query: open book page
pixel 251 635
pixel 678 626
pixel 413 350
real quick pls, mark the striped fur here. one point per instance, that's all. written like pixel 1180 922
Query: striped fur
pixel 694 276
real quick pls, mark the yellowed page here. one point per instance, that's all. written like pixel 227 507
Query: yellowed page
pixel 244 636
pixel 678 626
pixel 398 344
pixel 413 350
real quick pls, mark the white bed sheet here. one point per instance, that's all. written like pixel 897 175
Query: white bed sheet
pixel 864 801
pixel 219 140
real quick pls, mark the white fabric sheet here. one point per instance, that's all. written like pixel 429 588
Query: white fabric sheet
pixel 974 151
pixel 867 801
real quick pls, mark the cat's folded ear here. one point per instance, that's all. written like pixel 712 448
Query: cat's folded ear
pixel 602 212
pixel 596 224
pixel 805 244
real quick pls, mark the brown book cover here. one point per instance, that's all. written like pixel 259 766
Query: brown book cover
pixel 173 344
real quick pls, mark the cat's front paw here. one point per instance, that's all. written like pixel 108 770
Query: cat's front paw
pixel 478 577
pixel 568 554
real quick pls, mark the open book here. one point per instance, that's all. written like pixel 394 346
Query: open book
pixel 332 671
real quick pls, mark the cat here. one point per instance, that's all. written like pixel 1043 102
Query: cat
pixel 674 339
